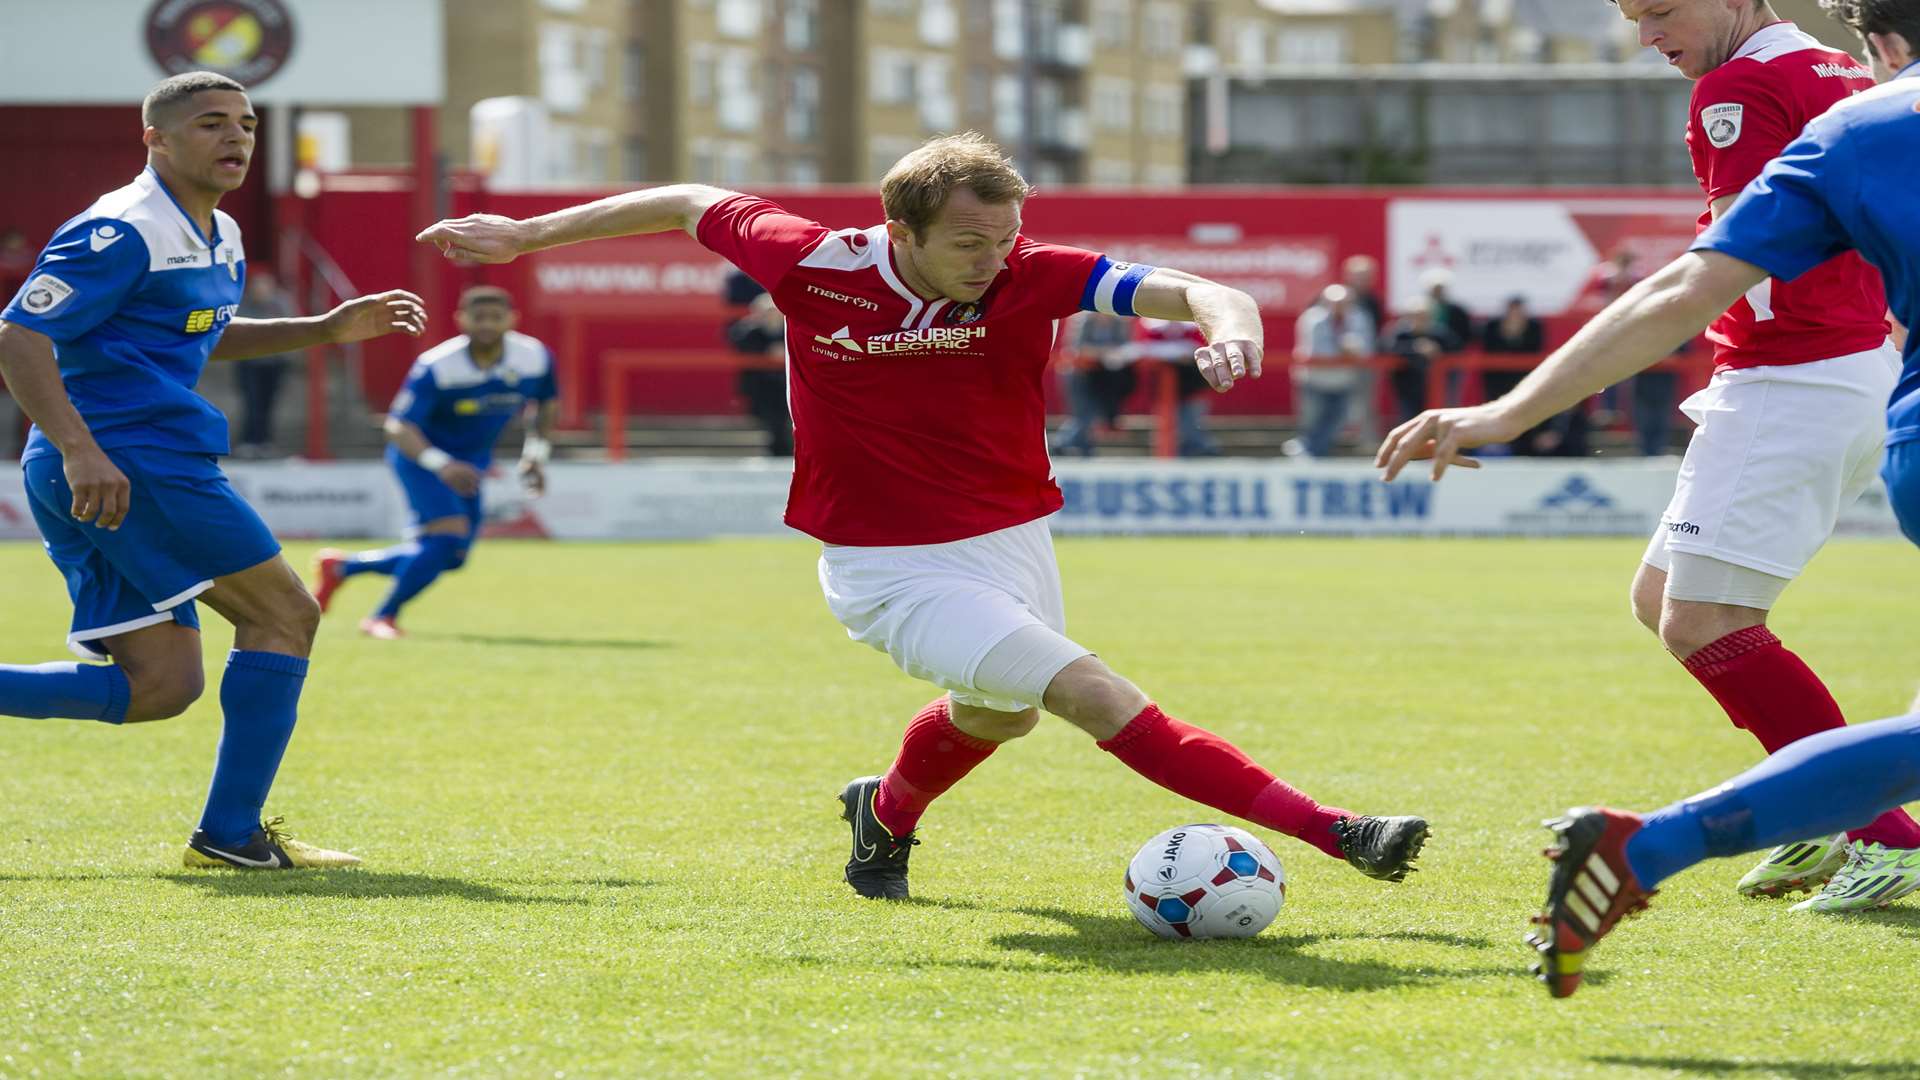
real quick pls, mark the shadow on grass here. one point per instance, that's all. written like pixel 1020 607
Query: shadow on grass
pixel 1113 943
pixel 1799 1070
pixel 1907 919
pixel 379 885
pixel 523 640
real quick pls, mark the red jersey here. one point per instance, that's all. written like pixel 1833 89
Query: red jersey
pixel 914 421
pixel 1744 113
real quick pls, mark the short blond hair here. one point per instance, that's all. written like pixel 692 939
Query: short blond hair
pixel 916 188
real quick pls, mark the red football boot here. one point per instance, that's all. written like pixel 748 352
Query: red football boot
pixel 326 575
pixel 1592 889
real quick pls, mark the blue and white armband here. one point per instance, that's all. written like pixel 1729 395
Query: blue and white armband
pixel 1111 286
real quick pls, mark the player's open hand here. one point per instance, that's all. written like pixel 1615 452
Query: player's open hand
pixel 533 476
pixel 476 238
pixel 101 493
pixel 1442 436
pixel 1225 362
pixel 463 478
pixel 396 311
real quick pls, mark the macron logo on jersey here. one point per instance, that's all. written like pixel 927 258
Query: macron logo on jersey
pixel 842 298
pixel 103 238
pixel 1841 71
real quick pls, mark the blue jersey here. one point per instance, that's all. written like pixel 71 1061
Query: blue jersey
pixel 461 407
pixel 135 297
pixel 1847 183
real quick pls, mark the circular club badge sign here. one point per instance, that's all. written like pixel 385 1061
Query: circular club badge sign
pixel 245 40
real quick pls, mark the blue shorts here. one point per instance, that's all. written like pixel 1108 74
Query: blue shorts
pixel 430 499
pixel 1900 469
pixel 186 526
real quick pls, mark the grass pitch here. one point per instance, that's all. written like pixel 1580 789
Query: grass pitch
pixel 595 793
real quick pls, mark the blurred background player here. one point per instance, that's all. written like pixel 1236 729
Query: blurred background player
pixel 102 347
pixel 259 377
pixel 760 337
pixel 441 430
pixel 1843 185
pixel 1098 373
pixel 921 464
pixel 1332 341
pixel 1791 425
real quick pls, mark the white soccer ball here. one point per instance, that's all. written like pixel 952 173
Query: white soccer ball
pixel 1205 881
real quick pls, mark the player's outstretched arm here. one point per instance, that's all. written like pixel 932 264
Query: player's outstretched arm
pixel 407 437
pixel 393 312
pixel 32 375
pixel 1227 317
pixel 538 448
pixel 1646 324
pixel 491 238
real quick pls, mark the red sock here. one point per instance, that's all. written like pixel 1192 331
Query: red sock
pixel 1772 693
pixel 934 755
pixel 1208 769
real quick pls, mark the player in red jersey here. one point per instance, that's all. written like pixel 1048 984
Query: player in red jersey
pixel 915 351
pixel 1791 427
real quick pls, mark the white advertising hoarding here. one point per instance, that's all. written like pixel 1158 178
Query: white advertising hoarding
pixel 695 500
pixel 322 52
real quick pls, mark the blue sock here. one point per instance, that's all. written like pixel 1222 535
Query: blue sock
pixel 1823 784
pixel 437 555
pixel 259 696
pixel 383 561
pixel 70 691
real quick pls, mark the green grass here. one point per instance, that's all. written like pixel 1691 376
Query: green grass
pixel 595 795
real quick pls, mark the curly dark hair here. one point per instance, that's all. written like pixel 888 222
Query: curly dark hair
pixel 1865 17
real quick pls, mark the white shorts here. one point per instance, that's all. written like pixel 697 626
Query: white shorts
pixel 938 609
pixel 1778 454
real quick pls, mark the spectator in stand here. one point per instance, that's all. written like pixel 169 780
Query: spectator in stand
pixel 1417 338
pixel 259 379
pixel 1517 333
pixel 1458 323
pixel 1332 340
pixel 760 337
pixel 1174 343
pixel 1361 275
pixel 1096 376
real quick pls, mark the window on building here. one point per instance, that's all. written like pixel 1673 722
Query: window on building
pixel 893 78
pixel 892 7
pixel 598 165
pixel 1112 23
pixel 701 161
pixel 803 104
pixel 1113 103
pixel 884 150
pixel 563 151
pixel 1160 109
pixel 736 163
pixel 802 24
pixel 939 23
pixel 700 65
pixel 739 102
pixel 568 6
pixel 738 18
pixel 1307 46
pixel 1249 46
pixel 1109 172
pixel 802 171
pixel 937 111
pixel 1163 176
pixel 1009 29
pixel 1009 108
pixel 594 45
pixel 633 159
pixel 979 92
pixel 1160 28
pixel 633 72
pixel 562 86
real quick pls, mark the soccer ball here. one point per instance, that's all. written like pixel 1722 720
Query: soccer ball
pixel 1205 881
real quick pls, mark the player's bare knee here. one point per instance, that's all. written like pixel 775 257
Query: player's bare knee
pixel 1687 627
pixel 163 692
pixel 992 724
pixel 1092 697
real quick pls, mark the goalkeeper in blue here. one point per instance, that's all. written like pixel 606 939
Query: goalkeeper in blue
pixel 1845 184
pixel 102 347
pixel 441 430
